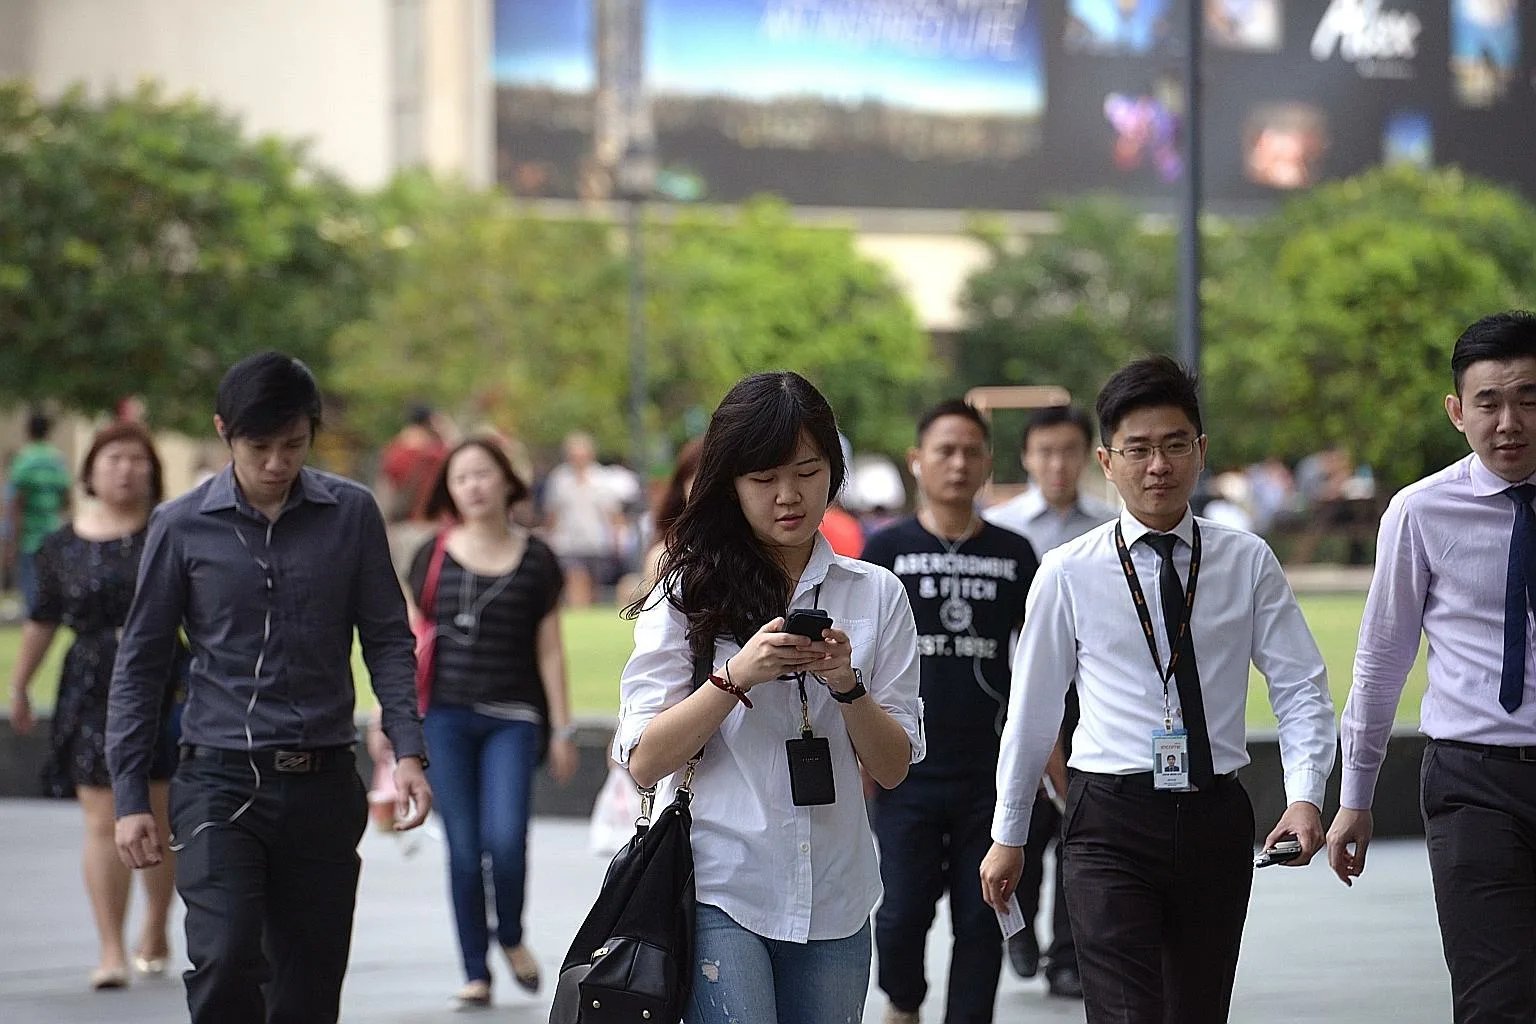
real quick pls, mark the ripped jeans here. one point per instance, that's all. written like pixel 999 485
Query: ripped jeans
pixel 744 978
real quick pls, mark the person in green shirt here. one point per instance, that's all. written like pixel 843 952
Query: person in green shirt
pixel 39 495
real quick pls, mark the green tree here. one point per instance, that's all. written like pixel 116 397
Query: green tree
pixel 146 243
pixel 1070 306
pixel 1336 325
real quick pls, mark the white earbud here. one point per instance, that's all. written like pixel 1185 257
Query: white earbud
pixel 917 471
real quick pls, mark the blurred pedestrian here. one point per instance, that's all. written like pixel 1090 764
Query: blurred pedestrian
pixel 39 496
pixel 582 517
pixel 408 465
pixel 270 567
pixel 784 861
pixel 1456 564
pixel 966 580
pixel 85 579
pixel 498 697
pixel 669 507
pixel 1054 449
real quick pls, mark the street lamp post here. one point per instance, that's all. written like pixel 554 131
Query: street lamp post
pixel 1189 227
pixel 636 179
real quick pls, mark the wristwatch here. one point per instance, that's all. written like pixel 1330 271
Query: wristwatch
pixel 852 695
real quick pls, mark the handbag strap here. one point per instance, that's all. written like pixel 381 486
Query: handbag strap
pixel 434 573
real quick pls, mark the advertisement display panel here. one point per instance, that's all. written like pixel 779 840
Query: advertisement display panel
pixel 1006 104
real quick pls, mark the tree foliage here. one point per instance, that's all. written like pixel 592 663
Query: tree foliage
pixel 146 243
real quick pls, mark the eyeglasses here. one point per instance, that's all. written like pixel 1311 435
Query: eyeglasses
pixel 1178 448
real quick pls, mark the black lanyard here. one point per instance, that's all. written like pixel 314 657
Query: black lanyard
pixel 805 705
pixel 1145 615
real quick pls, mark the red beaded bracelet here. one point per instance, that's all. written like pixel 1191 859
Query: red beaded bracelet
pixel 731 688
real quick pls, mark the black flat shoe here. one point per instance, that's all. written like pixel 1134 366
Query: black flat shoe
pixel 1024 954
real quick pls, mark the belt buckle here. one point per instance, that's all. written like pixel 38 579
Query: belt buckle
pixel 296 762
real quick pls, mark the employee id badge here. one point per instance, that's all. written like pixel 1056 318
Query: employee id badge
pixel 810 771
pixel 1170 760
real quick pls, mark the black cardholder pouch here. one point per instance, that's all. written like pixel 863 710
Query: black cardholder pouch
pixel 810 771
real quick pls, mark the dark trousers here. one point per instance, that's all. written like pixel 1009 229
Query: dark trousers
pixel 1158 885
pixel 1480 823
pixel 1045 831
pixel 933 834
pixel 270 895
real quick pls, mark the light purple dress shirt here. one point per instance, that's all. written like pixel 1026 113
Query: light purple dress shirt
pixel 1441 560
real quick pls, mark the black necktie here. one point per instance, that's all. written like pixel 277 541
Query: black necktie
pixel 1517 583
pixel 1186 673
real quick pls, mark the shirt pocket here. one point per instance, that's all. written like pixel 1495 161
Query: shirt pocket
pixel 861 640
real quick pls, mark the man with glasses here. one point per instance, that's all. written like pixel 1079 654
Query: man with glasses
pixel 1054 449
pixel 1157 616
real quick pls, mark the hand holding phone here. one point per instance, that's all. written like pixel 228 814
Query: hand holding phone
pixel 807 622
pixel 1283 852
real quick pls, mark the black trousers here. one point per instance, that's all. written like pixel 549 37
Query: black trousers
pixel 933 834
pixel 1480 823
pixel 270 895
pixel 1158 886
pixel 1044 831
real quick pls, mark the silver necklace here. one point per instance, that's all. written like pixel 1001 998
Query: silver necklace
pixel 470 607
pixel 955 612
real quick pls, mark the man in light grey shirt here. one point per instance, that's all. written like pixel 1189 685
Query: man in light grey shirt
pixel 1054 449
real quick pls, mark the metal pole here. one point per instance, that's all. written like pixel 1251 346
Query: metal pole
pixel 1189 219
pixel 639 452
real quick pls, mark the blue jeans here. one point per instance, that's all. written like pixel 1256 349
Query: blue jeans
pixel 26 580
pixel 482 779
pixel 745 977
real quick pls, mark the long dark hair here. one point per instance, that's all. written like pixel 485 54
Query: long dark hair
pixel 713 567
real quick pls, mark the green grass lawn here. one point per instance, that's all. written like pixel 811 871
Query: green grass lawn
pixel 597 642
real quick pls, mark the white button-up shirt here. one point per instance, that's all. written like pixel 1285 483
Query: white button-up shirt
pixel 1080 623
pixel 781 871
pixel 1441 560
pixel 1043 526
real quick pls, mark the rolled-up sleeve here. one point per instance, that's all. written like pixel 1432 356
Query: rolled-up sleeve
pixel 142 670
pixel 389 648
pixel 896 673
pixel 658 674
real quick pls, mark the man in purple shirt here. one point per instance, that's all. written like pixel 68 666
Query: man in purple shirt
pixel 269 567
pixel 1456 561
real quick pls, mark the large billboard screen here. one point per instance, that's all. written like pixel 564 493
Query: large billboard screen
pixel 1006 104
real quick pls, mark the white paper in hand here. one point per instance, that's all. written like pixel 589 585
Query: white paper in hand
pixel 1013 921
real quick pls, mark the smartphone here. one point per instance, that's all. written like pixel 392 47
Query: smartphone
pixel 807 622
pixel 1284 851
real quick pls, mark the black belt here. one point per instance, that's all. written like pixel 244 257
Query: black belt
pixel 284 762
pixel 1525 754
pixel 1142 781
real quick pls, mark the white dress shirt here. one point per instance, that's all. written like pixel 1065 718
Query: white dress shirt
pixel 1080 623
pixel 1441 560
pixel 1043 526
pixel 781 871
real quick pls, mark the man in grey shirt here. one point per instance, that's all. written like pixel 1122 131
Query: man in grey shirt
pixel 1055 447
pixel 268 567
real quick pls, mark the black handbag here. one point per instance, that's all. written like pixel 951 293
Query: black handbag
pixel 631 960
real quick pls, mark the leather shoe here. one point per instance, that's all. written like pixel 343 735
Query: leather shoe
pixel 1024 954
pixel 1064 981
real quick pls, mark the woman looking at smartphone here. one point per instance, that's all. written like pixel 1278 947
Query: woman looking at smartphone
pixel 785 886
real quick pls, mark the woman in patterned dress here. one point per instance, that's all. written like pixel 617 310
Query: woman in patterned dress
pixel 86 576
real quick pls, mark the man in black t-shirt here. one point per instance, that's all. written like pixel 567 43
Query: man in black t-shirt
pixel 967 581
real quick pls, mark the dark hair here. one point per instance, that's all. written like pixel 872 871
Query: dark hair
pixel 1055 416
pixel 713 567
pixel 1499 336
pixel 262 394
pixel 675 497
pixel 38 426
pixel 440 502
pixel 1147 383
pixel 124 431
pixel 953 407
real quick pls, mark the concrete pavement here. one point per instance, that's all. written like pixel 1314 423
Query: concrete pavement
pixel 1314 951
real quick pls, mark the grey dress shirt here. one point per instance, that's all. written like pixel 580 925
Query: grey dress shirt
pixel 1044 527
pixel 269 609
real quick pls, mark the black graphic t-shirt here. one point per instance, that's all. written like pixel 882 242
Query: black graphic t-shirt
pixel 968 603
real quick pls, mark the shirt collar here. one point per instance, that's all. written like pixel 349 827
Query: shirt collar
pixel 1485 482
pixel 823 561
pixel 1134 529
pixel 223 494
